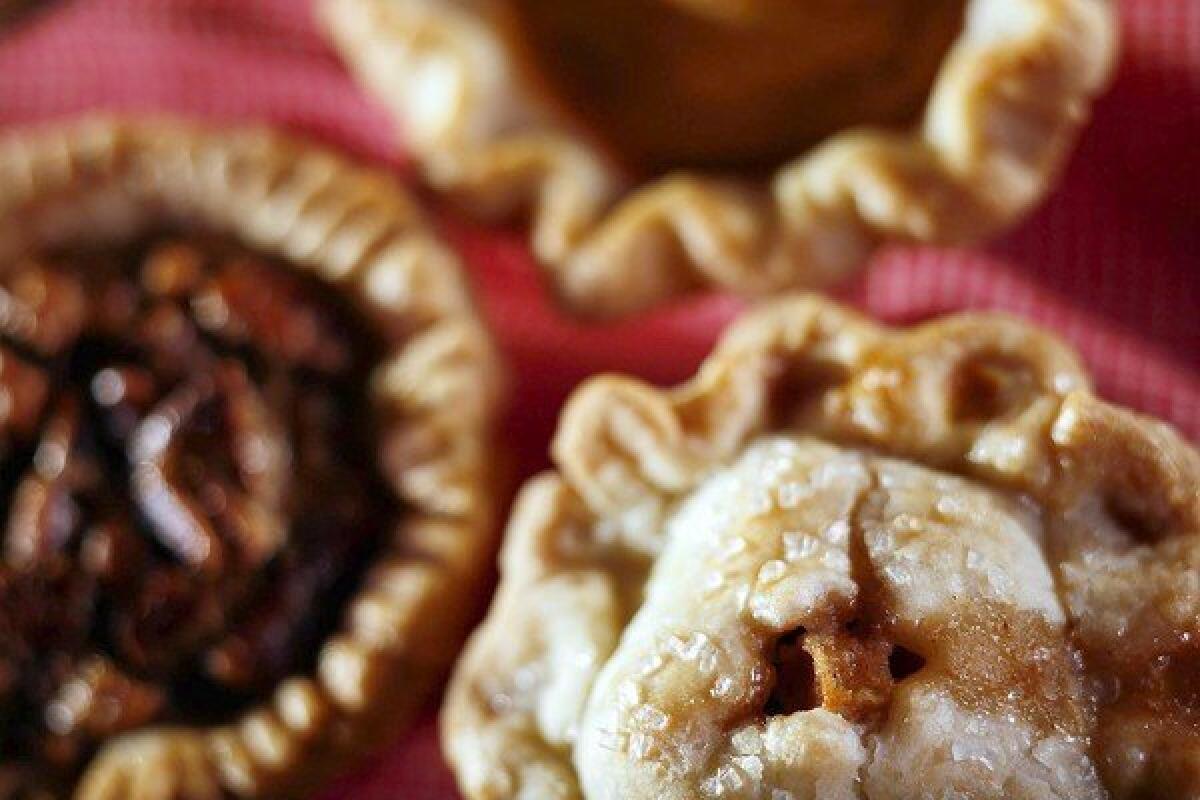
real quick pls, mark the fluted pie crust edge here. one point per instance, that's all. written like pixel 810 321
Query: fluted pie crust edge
pixel 1006 107
pixel 104 181
pixel 583 539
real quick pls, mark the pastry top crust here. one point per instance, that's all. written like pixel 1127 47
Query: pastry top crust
pixel 435 391
pixel 1008 103
pixel 952 491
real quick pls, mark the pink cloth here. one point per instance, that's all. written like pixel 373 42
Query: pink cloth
pixel 1111 262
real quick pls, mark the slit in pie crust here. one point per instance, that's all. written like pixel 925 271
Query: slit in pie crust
pixel 658 145
pixel 240 522
pixel 845 561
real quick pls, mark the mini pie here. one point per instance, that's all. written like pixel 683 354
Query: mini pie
pixel 753 144
pixel 245 403
pixel 845 562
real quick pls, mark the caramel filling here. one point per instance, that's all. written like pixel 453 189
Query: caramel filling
pixel 189 491
pixel 667 84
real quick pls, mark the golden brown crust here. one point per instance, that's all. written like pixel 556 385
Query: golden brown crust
pixel 106 180
pixel 1008 103
pixel 593 573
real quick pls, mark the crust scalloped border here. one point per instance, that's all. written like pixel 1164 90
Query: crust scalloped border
pixel 579 542
pixel 436 393
pixel 1008 104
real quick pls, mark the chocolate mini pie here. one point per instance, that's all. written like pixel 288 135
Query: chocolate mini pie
pixel 244 410
pixel 845 562
pixel 753 144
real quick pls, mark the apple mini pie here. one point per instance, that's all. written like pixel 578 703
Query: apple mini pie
pixel 849 562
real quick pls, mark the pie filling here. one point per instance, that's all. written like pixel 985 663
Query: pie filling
pixel 188 485
pixel 668 84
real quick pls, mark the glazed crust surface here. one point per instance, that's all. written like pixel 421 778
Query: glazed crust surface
pixel 845 561
pixel 1006 106
pixel 106 182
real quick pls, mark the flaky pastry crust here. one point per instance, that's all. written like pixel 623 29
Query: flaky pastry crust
pixel 107 181
pixel 845 561
pixel 1009 101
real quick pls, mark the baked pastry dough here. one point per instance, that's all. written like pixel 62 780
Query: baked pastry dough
pixel 246 410
pixel 750 144
pixel 845 561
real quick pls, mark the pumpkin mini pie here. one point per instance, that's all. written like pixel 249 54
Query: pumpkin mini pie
pixel 845 561
pixel 659 145
pixel 245 409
